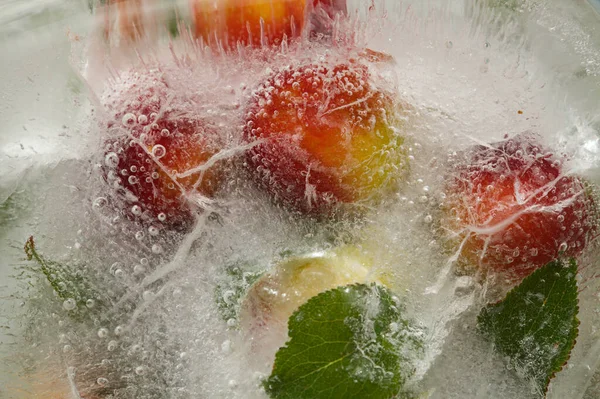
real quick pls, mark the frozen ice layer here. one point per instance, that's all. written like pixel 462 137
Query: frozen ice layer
pixel 309 199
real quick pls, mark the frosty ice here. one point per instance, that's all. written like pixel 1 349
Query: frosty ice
pixel 305 199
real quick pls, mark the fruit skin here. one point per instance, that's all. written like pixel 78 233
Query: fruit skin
pixel 142 172
pixel 230 21
pixel 513 209
pixel 329 135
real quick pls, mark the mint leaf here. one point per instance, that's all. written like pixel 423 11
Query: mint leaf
pixel 349 342
pixel 536 324
pixel 230 292
pixel 70 286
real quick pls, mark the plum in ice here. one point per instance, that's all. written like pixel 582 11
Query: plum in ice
pixel 511 207
pixel 157 149
pixel 327 133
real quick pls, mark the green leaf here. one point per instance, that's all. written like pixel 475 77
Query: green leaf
pixel 536 325
pixel 230 292
pixel 66 281
pixel 349 342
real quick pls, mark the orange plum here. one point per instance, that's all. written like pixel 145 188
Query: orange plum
pixel 250 22
pixel 511 207
pixel 325 134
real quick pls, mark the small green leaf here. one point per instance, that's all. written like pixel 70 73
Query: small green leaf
pixel 65 280
pixel 536 325
pixel 230 292
pixel 349 342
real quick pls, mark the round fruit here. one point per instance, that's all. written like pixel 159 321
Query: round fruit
pixel 156 150
pixel 274 297
pixel 513 209
pixel 325 134
pixel 250 22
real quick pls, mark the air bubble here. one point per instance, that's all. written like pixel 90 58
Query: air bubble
pixel 139 235
pixel 111 160
pixel 133 180
pixel 99 202
pixel 112 345
pixel 90 303
pixel 142 119
pixel 563 247
pixel 561 218
pixel 69 304
pixel 136 210
pixel 159 151
pixel 114 267
pixel 153 230
pixel 140 370
pixel 102 381
pixel 533 251
pixel 165 132
pixel 128 120
pixel 119 330
pixel 147 295
pixel 162 217
pixel 102 333
pixel 226 346
pixel 156 249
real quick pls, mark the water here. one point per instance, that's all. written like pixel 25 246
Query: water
pixel 468 74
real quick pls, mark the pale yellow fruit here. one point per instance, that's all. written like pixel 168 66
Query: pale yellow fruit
pixel 274 297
